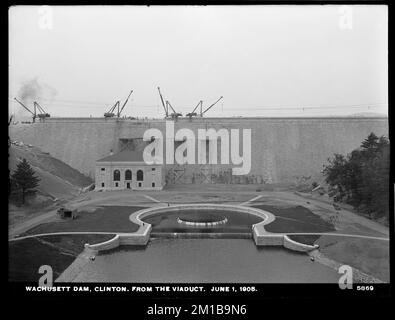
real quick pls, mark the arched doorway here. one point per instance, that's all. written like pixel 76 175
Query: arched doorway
pixel 128 178
pixel 140 178
pixel 140 175
pixel 117 175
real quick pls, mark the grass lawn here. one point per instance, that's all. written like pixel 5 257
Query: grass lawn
pixel 27 255
pixel 103 219
pixel 297 219
pixel 116 219
pixel 368 256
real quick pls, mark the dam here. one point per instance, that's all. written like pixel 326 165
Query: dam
pixel 283 150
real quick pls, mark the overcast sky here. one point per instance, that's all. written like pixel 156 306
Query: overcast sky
pixel 264 60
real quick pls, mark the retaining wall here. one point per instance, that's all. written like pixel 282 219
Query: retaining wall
pixel 260 236
pixel 264 238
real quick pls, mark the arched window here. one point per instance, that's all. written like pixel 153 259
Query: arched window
pixel 128 175
pixel 117 175
pixel 140 175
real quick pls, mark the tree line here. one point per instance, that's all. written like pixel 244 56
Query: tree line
pixel 362 177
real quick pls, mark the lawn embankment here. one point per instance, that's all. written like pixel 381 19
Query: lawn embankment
pixel 103 219
pixel 371 257
pixel 297 219
pixel 57 179
pixel 58 251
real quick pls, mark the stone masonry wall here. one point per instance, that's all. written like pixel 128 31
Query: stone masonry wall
pixel 283 149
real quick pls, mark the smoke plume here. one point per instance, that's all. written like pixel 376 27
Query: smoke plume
pixel 34 90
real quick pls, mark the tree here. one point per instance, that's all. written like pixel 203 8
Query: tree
pixel 370 143
pixel 23 179
pixel 362 178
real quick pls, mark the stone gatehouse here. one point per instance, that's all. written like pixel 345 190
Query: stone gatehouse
pixel 127 170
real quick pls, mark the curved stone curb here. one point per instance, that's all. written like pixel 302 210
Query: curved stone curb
pixel 138 215
pixel 106 245
pixel 137 239
pixel 264 238
pixel 298 246
pixel 260 235
pixel 141 236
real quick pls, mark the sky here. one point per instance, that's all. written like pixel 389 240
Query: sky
pixel 283 60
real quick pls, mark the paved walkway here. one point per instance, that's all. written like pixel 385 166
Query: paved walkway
pixel 251 200
pixel 60 234
pixel 337 235
pixel 120 233
pixel 30 223
pixel 154 200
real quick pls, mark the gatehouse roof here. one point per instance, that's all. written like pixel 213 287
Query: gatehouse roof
pixel 124 156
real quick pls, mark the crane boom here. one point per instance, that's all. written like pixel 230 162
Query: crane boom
pixel 110 112
pixel 126 101
pixel 40 108
pixel 168 103
pixel 114 106
pixel 193 113
pixel 43 114
pixel 34 115
pixel 163 103
pixel 211 106
pixel 200 102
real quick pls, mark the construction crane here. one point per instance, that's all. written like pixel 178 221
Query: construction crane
pixel 110 113
pixel 124 104
pixel 43 114
pixel 36 106
pixel 202 113
pixel 193 113
pixel 165 108
pixel 33 113
pixel 175 114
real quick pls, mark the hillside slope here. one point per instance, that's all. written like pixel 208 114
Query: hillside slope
pixel 58 180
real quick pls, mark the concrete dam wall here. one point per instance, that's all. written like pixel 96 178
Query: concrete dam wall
pixel 282 149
